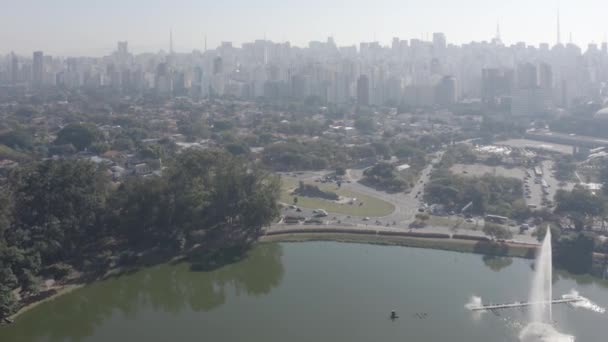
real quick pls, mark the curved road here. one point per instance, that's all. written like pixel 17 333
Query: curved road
pixel 406 205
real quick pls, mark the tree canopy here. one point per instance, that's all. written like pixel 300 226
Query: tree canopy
pixel 580 205
pixel 17 139
pixel 66 211
pixel 78 135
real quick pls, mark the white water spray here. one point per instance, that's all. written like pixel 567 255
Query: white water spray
pixel 583 302
pixel 541 317
pixel 542 288
pixel 475 302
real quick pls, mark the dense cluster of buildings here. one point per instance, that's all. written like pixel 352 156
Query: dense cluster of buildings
pixel 520 78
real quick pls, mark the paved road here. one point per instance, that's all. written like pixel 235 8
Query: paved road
pixel 406 205
pixel 547 166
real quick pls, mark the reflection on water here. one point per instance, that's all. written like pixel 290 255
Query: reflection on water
pixel 166 288
pixel 497 263
pixel 301 292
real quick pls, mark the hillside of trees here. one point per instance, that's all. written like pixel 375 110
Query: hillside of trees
pixel 59 215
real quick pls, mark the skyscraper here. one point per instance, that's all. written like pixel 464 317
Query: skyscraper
pixel 396 43
pixel 123 48
pixel 14 69
pixel 218 65
pixel 38 68
pixel 545 76
pixel 122 56
pixel 527 76
pixel 163 82
pixel 559 30
pixel 439 44
pixel 363 90
pixel 533 94
pixel 445 92
pixel 496 84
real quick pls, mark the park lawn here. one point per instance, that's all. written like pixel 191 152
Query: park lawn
pixel 372 207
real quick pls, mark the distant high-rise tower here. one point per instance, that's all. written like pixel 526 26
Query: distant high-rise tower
pixel 439 44
pixel 527 76
pixel 163 82
pixel 559 30
pixel 363 91
pixel 445 92
pixel 498 31
pixel 37 68
pixel 396 43
pixel 171 41
pixel 533 94
pixel 545 76
pixel 218 65
pixel 14 69
pixel 122 52
pixel 123 48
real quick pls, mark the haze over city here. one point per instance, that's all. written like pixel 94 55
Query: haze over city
pixel 303 171
pixel 82 28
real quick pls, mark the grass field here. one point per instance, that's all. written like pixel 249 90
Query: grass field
pixel 372 207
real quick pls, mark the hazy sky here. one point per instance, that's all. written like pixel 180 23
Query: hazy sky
pixel 92 27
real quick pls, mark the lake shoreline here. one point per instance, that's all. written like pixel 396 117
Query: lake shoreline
pixel 508 249
pixel 62 289
pixel 503 249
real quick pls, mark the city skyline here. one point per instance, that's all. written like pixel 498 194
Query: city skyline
pixel 71 28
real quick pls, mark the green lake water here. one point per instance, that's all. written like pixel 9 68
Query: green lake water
pixel 315 291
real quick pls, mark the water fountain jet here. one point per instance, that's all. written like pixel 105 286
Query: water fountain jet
pixel 540 328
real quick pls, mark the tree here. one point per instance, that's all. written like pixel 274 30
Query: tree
pixel 384 176
pixel 58 205
pixel 8 303
pixel 203 195
pixel 382 149
pixel 422 218
pixel 564 169
pixel 238 148
pixel 17 139
pixel 6 211
pixel 575 253
pixel 365 125
pixel 222 125
pixel 580 205
pixel 340 171
pixel 143 212
pixel 123 144
pixel 193 128
pixel 497 232
pixel 604 176
pixel 80 136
